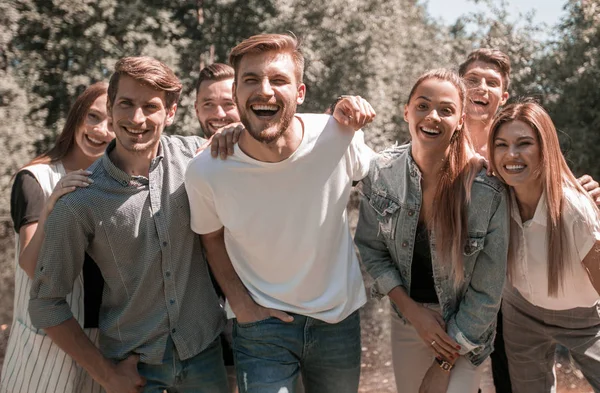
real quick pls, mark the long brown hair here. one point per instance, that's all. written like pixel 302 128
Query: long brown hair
pixel 453 193
pixel 66 139
pixel 555 175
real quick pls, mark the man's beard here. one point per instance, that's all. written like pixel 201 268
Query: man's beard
pixel 263 135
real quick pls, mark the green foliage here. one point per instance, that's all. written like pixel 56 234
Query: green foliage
pixel 569 76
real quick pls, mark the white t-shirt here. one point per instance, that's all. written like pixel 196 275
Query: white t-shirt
pixel 286 226
pixel 531 278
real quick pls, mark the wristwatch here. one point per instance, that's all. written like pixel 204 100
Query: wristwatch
pixel 444 365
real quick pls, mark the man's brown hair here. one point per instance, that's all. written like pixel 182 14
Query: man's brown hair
pixel 492 56
pixel 147 71
pixel 215 72
pixel 269 43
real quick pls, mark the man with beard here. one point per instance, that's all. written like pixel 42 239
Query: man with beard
pixel 160 318
pixel 214 104
pixel 274 225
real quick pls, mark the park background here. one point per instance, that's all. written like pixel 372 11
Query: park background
pixel 50 50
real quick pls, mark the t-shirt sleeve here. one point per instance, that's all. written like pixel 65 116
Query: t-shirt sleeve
pixel 203 212
pixel 584 230
pixel 26 200
pixel 360 156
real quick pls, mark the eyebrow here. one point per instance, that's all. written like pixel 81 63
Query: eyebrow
pixel 482 75
pixel 443 102
pixel 249 74
pixel 518 139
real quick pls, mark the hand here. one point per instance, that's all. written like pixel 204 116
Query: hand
pixel 353 111
pixel 591 186
pixel 435 380
pixel 260 313
pixel 67 184
pixel 223 140
pixel 432 329
pixel 125 377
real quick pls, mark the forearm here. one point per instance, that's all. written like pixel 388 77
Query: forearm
pixel 223 270
pixel 70 337
pixel 591 264
pixel 403 302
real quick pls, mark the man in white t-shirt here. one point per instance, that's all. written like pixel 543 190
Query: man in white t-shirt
pixel 274 224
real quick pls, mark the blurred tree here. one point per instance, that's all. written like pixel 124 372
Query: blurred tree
pixel 371 48
pixel 568 76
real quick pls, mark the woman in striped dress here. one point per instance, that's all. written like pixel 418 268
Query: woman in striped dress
pixel 32 362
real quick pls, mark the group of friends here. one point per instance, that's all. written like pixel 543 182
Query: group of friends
pixel 127 238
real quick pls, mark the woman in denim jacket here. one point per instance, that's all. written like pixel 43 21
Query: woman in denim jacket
pixel 433 233
pixel 553 294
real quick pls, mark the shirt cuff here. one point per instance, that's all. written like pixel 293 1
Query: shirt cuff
pixel 387 281
pixel 466 345
pixel 45 313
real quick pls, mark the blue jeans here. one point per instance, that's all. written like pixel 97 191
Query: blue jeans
pixel 270 354
pixel 203 373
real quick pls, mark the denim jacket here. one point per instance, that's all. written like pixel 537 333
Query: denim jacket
pixel 385 236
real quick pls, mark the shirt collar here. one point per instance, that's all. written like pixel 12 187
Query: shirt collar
pixel 116 173
pixel 541 211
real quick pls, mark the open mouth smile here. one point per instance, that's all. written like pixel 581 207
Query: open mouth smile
pixel 216 124
pixel 264 110
pixel 514 168
pixel 94 142
pixel 430 131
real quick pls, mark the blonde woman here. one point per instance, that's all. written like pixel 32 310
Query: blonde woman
pixel 553 296
pixel 433 233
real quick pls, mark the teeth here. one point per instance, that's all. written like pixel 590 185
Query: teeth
pixel 131 131
pixel 218 124
pixel 479 102
pixel 430 130
pixel 264 107
pixel 515 167
pixel 96 141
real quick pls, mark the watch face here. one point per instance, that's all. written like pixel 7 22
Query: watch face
pixel 446 366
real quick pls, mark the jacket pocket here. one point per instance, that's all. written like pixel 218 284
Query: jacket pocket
pixel 387 214
pixel 474 245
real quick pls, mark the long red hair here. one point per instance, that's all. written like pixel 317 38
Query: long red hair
pixel 556 176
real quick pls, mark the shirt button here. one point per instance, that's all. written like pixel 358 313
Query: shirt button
pixel 157 214
pixel 405 244
pixel 165 244
pixel 411 213
pixel 173 330
pixel 172 301
pixel 168 274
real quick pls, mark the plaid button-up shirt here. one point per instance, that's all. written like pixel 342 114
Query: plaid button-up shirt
pixel 137 230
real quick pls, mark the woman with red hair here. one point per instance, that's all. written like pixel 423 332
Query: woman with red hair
pixel 553 293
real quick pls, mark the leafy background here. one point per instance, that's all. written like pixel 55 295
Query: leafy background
pixel 51 49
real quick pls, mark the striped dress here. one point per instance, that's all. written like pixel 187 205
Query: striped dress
pixel 33 363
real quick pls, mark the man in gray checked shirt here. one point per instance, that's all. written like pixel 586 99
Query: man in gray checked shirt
pixel 160 317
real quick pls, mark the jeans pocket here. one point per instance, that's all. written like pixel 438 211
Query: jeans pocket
pixel 252 324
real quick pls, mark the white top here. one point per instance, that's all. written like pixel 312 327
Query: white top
pixel 32 362
pixel 286 226
pixel 531 278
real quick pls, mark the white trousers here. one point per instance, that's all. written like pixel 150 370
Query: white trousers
pixel 411 359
